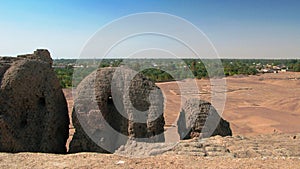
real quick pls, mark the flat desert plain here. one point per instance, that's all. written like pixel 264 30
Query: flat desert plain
pixel 259 104
pixel 263 111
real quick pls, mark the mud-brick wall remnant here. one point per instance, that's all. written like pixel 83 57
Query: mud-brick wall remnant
pixel 33 109
pixel 113 105
pixel 199 118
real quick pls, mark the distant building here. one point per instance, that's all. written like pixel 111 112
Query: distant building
pixel 283 70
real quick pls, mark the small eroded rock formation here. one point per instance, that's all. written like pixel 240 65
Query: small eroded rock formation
pixel 33 110
pixel 113 105
pixel 199 118
pixel 39 54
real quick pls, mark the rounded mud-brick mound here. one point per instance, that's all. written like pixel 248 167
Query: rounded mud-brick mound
pixel 113 105
pixel 199 118
pixel 33 111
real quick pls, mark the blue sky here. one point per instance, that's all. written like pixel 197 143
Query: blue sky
pixel 243 29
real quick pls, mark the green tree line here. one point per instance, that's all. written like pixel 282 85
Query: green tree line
pixel 189 68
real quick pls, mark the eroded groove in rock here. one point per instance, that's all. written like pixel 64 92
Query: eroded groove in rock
pixel 33 112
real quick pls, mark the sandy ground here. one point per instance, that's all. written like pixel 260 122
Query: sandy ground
pixel 264 104
pixel 94 160
pixel 254 104
pixel 261 151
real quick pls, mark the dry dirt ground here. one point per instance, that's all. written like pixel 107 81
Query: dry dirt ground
pixel 93 160
pixel 254 105
pixel 262 151
pixel 264 109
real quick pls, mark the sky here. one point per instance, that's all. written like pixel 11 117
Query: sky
pixel 236 28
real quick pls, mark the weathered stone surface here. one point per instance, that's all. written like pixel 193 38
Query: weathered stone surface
pixel 199 118
pixel 113 105
pixel 39 54
pixel 33 111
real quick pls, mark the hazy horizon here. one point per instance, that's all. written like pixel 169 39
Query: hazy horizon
pixel 258 29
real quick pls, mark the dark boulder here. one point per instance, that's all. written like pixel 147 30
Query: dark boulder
pixel 199 118
pixel 33 110
pixel 113 105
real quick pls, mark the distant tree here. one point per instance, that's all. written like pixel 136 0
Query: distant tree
pixel 296 67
